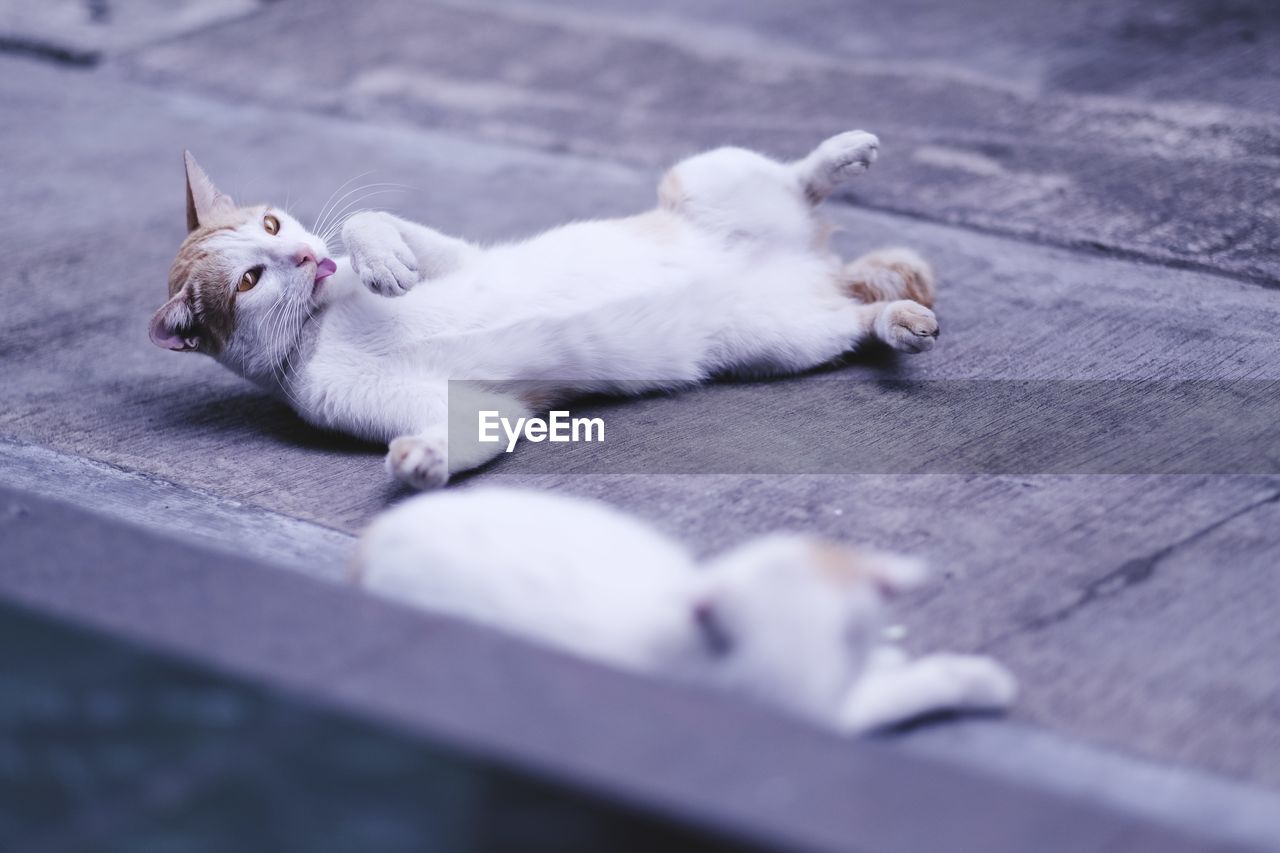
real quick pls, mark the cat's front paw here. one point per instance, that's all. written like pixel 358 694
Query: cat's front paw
pixel 386 276
pixel 379 254
pixel 418 461
pixel 907 326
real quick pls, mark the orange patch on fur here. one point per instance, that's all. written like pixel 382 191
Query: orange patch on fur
pixel 842 565
pixel 890 274
pixel 197 272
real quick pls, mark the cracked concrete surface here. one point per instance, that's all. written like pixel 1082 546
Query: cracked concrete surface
pixel 1133 572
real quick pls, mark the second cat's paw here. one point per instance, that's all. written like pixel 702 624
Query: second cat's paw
pixel 907 326
pixel 419 462
pixel 981 684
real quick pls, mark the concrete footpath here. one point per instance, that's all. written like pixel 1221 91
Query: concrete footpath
pixel 1094 209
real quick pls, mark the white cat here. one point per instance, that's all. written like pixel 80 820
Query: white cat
pixel 730 273
pixel 788 620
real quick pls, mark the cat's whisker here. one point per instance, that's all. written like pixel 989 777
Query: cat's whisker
pixel 339 216
pixel 330 213
pixel 277 337
pixel 335 230
pixel 299 321
pixel 336 210
pixel 323 208
pixel 270 314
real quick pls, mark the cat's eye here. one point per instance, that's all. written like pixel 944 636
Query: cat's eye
pixel 272 225
pixel 249 279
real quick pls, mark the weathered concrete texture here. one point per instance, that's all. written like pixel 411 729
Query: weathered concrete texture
pixel 80 32
pixel 1087 586
pixel 244 531
pixel 1186 50
pixel 1144 130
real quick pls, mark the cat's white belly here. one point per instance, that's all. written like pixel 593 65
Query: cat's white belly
pixel 591 302
pixel 597 307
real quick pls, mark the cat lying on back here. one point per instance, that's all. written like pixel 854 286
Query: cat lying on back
pixel 731 273
pixel 788 620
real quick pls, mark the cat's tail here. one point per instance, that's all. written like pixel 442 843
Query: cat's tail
pixel 889 274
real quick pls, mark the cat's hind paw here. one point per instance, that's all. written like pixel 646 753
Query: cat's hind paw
pixel 907 326
pixel 849 154
pixel 420 462
pixel 837 160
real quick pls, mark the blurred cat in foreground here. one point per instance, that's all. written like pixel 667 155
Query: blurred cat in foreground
pixel 788 620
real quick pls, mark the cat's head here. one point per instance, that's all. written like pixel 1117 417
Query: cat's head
pixel 797 616
pixel 244 281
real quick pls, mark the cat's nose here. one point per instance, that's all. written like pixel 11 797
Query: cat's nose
pixel 304 255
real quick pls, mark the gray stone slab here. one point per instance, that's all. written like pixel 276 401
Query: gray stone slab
pixel 142 499
pixel 651 744
pixel 192 599
pixel 1205 52
pixel 1038 759
pixel 88 242
pixel 1145 130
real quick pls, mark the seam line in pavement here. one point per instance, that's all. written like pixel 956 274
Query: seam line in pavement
pixel 1089 248
pixel 1130 573
pixel 49 52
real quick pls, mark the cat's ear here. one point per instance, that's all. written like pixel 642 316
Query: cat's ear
pixel 203 198
pixel 174 325
pixel 890 573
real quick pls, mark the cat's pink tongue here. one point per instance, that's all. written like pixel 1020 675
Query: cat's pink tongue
pixel 324 269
